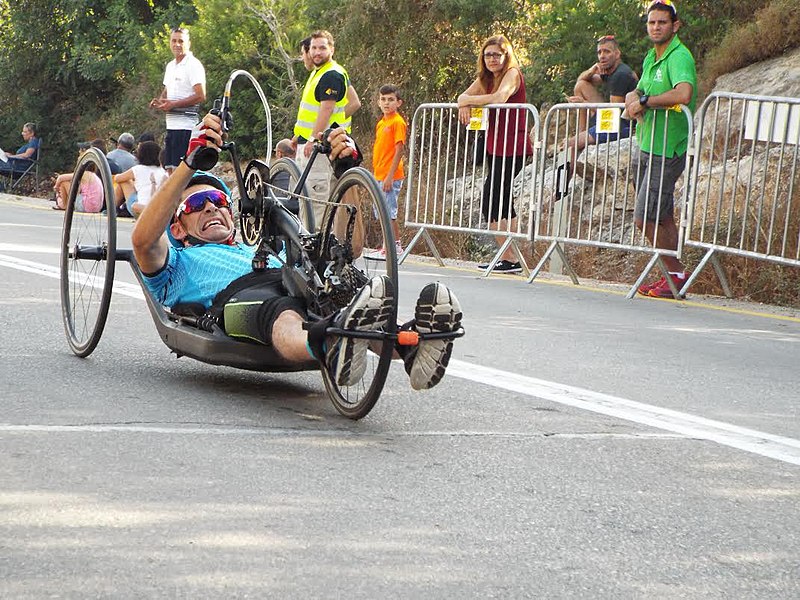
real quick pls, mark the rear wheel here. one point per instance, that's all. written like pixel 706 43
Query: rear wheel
pixel 356 222
pixel 251 208
pixel 88 254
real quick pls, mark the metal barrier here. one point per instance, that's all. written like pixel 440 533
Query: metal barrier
pixel 447 168
pixel 745 201
pixel 589 200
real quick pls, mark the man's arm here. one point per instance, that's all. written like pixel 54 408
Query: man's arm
pixel 680 94
pixel 326 108
pixel 198 96
pixel 28 153
pixel 398 156
pixel 155 102
pixel 592 75
pixel 353 102
pixel 149 240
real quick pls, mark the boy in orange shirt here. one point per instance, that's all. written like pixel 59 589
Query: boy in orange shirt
pixel 387 155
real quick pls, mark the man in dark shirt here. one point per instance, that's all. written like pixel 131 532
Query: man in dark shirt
pixel 608 80
pixel 25 155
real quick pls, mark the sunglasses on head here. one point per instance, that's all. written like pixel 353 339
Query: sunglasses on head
pixel 606 38
pixel 197 201
pixel 664 5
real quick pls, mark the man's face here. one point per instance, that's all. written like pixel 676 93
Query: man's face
pixel 389 103
pixel 27 134
pixel 179 44
pixel 209 224
pixel 306 58
pixel 660 26
pixel 320 52
pixel 608 57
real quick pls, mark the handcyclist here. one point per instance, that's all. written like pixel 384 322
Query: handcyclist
pixel 196 208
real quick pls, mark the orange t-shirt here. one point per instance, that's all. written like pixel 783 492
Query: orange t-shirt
pixel 389 131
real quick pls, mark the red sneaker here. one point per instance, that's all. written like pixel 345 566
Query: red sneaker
pixel 663 291
pixel 645 288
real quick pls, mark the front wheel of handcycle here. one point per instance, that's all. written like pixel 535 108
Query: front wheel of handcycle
pixel 88 254
pixel 355 226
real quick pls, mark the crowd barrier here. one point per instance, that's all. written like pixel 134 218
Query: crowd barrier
pixel 586 196
pixel 738 194
pixel 447 166
pixel 745 201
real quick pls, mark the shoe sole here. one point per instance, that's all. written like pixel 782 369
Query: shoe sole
pixel 437 311
pixel 369 311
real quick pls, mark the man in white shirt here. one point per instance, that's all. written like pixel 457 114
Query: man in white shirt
pixel 184 90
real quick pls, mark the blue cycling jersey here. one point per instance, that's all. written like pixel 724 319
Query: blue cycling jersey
pixel 198 273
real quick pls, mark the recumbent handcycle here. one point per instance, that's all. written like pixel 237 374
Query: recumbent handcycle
pixel 324 267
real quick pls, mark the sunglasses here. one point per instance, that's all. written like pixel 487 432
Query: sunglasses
pixel 606 38
pixel 197 201
pixel 495 55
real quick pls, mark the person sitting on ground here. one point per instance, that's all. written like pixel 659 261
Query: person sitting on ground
pixel 121 158
pixel 607 80
pixel 196 208
pixel 135 187
pixel 90 193
pixel 25 154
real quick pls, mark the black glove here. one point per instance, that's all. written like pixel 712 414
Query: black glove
pixel 199 156
pixel 342 164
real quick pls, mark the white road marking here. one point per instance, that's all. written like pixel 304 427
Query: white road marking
pixel 122 287
pixel 750 440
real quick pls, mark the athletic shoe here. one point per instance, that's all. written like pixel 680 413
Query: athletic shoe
pixel 379 254
pixel 437 311
pixel 506 266
pixel 503 266
pixel 663 291
pixel 645 288
pixel 368 311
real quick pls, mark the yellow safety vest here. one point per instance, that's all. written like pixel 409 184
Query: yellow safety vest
pixel 309 105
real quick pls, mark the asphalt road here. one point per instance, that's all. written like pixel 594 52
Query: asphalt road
pixel 582 446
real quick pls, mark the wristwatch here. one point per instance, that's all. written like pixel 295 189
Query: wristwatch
pixel 643 99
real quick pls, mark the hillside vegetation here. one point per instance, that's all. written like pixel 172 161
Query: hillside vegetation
pixel 87 68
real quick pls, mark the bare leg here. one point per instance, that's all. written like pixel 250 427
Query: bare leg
pixel 664 235
pixel 289 338
pixel 590 94
pixel 340 221
pixel 62 193
pixel 123 191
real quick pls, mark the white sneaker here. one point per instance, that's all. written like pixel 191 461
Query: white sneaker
pixel 379 254
pixel 437 311
pixel 368 311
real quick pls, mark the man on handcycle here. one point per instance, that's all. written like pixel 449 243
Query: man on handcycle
pixel 196 208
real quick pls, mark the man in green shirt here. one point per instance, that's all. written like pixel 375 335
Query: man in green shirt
pixel 669 78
